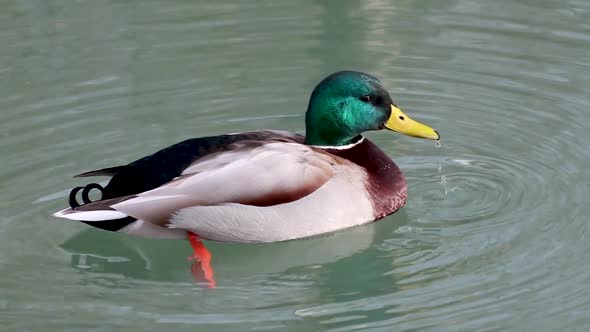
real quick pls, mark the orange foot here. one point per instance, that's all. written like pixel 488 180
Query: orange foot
pixel 201 268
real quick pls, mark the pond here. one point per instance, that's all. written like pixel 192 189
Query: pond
pixel 495 232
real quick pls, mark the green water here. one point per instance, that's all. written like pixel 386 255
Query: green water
pixel 494 236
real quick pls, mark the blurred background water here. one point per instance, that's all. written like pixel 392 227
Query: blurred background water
pixel 495 233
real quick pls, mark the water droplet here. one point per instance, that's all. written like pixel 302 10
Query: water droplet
pixel 443 184
pixel 437 144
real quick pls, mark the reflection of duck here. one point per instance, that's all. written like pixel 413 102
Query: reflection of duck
pixel 143 259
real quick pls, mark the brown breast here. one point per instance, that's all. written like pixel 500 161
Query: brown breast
pixel 386 184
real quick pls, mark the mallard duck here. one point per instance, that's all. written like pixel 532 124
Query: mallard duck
pixel 267 185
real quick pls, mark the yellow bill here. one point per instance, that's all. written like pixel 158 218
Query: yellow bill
pixel 403 124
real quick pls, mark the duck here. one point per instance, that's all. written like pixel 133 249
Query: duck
pixel 264 185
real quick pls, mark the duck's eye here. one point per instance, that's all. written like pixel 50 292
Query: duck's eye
pixel 366 98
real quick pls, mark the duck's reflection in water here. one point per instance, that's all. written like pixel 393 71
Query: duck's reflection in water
pixel 105 253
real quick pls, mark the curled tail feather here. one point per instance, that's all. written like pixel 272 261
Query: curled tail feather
pixel 85 191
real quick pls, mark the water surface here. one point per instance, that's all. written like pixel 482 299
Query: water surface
pixel 494 236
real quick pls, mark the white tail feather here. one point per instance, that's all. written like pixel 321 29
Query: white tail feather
pixel 98 215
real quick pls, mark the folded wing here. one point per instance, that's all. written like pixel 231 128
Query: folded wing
pixel 267 175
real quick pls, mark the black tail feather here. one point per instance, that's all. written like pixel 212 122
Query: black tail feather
pixel 85 191
pixel 111 225
pixel 109 171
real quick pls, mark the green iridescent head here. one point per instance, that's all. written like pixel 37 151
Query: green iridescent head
pixel 348 103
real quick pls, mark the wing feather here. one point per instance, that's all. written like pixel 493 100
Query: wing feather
pixel 270 174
